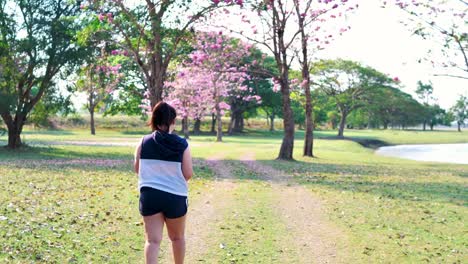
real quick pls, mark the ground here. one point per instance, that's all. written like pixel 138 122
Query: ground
pixel 71 197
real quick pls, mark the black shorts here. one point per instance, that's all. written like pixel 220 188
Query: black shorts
pixel 153 201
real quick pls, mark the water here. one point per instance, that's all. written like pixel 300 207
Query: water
pixel 451 153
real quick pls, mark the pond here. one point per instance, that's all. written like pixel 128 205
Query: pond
pixel 451 153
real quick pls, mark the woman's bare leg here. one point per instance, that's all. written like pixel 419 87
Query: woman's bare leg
pixel 176 232
pixel 153 234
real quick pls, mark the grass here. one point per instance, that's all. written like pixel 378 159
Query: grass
pixel 69 203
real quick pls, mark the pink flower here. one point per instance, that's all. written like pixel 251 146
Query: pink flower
pixel 224 106
pixel 110 17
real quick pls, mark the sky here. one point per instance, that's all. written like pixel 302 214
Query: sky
pixel 378 39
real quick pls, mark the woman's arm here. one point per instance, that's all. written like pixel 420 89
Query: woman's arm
pixel 136 162
pixel 187 169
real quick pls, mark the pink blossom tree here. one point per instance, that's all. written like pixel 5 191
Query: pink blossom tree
pixel 215 69
pixel 190 94
pixel 240 100
pixel 443 22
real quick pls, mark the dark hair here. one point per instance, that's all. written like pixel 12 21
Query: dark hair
pixel 163 115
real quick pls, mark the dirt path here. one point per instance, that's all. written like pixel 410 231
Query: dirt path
pixel 204 214
pixel 312 235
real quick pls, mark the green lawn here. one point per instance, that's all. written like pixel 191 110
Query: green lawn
pixel 55 207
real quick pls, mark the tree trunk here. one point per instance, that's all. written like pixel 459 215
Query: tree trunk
pixel 231 125
pixel 431 126
pixel 219 132
pixel 238 121
pixel 213 123
pixel 157 76
pixel 14 138
pixel 385 125
pixel 196 127
pixel 309 133
pixel 15 127
pixel 424 125
pixel 287 145
pixel 185 127
pixel 93 128
pixel 342 124
pixel 459 126
pixel 272 123
pixel 309 122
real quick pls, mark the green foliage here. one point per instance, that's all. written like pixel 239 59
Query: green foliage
pixel 424 92
pixel 298 112
pixel 390 106
pixel 333 117
pixel 324 106
pixel 127 101
pixel 52 103
pixel 460 109
pixel 271 100
pixel 350 85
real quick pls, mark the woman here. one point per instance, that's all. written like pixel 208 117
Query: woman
pixel 164 165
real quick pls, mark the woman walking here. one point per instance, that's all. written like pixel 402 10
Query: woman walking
pixel 164 165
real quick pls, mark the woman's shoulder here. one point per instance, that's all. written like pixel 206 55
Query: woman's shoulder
pixel 181 140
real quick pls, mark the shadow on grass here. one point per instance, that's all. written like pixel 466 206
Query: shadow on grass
pixel 392 182
pixel 360 179
pixel 411 191
pixel 55 132
pixel 50 152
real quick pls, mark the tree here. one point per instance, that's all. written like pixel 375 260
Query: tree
pixel 460 111
pixel 246 100
pixel 391 106
pixel 98 80
pixel 37 42
pixel 151 32
pixel 350 84
pixel 437 116
pixel 424 92
pixel 274 17
pixel 308 15
pixel 441 21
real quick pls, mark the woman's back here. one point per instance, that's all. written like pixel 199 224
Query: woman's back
pixel 160 163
